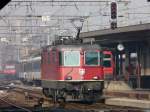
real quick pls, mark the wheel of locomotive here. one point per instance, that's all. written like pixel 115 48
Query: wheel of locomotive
pixel 61 96
pixel 58 95
pixel 53 94
pixel 75 94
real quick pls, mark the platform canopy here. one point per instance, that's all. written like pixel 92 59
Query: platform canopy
pixel 139 32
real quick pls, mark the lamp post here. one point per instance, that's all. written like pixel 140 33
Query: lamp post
pixel 120 48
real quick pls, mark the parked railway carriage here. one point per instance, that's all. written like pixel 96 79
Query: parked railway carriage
pixel 74 71
pixel 9 71
pixel 30 70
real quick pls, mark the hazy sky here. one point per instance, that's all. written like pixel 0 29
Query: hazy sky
pixel 99 13
pixel 96 15
pixel 19 21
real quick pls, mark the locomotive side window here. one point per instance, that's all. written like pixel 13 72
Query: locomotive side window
pixel 92 58
pixel 71 58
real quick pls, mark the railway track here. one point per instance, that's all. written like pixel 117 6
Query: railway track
pixel 10 106
pixel 32 92
pixel 36 93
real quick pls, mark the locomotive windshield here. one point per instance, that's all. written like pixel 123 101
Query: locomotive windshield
pixel 71 58
pixel 92 58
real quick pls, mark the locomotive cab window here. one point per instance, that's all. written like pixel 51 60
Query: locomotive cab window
pixel 92 58
pixel 71 58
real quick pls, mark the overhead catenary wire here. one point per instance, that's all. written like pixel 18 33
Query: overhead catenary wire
pixel 56 1
pixel 62 1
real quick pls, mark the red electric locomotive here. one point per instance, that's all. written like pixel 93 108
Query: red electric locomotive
pixel 72 71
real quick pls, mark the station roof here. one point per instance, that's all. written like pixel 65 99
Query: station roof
pixel 127 33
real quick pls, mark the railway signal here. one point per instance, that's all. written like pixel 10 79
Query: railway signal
pixel 113 24
pixel 113 10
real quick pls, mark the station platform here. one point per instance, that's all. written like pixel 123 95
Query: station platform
pixel 116 85
pixel 143 104
pixel 119 93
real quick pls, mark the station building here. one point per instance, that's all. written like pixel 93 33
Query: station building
pixel 133 60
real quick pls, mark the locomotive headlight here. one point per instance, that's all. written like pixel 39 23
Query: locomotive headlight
pixel 95 77
pixel 81 71
pixel 68 78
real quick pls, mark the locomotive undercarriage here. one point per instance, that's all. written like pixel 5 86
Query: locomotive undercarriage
pixel 73 90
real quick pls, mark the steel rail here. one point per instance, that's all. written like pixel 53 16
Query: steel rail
pixel 77 106
pixel 30 92
pixel 14 105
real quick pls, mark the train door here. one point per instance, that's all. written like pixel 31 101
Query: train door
pixel 108 65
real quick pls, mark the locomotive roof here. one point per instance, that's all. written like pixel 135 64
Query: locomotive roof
pixel 75 47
